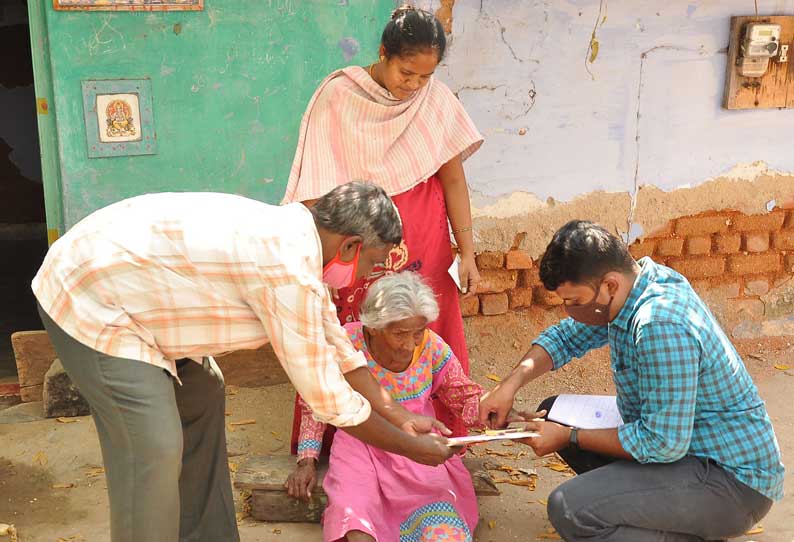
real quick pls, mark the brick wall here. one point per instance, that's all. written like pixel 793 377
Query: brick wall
pixel 748 253
pixel 509 282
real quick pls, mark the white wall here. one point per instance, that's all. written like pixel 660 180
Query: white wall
pixel 580 132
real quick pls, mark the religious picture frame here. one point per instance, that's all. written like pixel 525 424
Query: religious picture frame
pixel 118 117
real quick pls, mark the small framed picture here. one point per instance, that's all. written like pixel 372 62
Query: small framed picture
pixel 118 117
pixel 128 5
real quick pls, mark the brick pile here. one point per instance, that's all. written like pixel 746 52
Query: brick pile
pixel 750 252
pixel 509 282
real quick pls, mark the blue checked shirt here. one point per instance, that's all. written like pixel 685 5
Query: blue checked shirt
pixel 682 388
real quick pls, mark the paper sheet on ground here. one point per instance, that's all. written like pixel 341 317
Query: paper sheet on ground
pixel 586 411
pixel 477 439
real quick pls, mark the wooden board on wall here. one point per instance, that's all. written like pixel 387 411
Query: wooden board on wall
pixel 128 5
pixel 775 89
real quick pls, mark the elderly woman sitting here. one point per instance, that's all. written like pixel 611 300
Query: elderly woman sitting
pixel 376 495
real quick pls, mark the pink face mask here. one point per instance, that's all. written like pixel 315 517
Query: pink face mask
pixel 338 274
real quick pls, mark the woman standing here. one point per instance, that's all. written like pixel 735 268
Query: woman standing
pixel 394 124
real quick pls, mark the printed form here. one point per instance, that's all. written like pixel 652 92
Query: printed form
pixel 586 411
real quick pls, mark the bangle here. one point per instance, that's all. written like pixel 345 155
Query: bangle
pixel 461 230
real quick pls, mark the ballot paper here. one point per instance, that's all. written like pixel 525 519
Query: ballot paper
pixel 491 436
pixel 454 273
pixel 586 411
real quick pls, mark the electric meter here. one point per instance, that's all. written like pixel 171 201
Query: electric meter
pixel 761 42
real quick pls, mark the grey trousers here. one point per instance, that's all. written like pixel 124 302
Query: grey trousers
pixel 163 445
pixel 690 500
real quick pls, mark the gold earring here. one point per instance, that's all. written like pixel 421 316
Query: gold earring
pixel 382 58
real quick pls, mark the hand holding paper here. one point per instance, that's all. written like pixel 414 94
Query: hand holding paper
pixel 454 272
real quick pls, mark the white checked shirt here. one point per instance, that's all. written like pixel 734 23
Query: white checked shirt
pixel 162 277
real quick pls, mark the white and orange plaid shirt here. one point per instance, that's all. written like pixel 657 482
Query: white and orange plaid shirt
pixel 162 277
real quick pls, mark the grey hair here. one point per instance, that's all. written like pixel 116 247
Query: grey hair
pixel 397 297
pixel 360 208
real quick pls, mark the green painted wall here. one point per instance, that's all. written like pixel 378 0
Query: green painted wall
pixel 229 84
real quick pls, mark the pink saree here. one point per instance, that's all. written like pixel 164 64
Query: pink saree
pixel 388 496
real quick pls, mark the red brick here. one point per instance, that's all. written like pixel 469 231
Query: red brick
pixel 670 247
pixel 643 248
pixel 34 354
pixel 700 268
pixel 527 278
pixel 497 280
pixel 664 231
pixel 757 241
pixel 784 240
pixel 520 297
pixel 470 306
pixel 494 303
pixel 545 297
pixel 750 264
pixel 517 259
pixel 728 243
pixel 756 287
pixel 698 246
pixel 766 222
pixel 490 260
pixel 723 290
pixel 790 263
pixel 702 225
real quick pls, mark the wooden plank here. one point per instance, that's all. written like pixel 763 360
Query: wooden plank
pixel 34 355
pixel 280 507
pixel 270 472
pixel 265 477
pixel 775 89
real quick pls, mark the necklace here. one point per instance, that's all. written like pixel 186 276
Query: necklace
pixel 371 72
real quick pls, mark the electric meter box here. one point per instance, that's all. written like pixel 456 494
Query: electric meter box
pixel 761 40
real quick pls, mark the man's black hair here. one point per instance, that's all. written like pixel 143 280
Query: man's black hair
pixel 582 252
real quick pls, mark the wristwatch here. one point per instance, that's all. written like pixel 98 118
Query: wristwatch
pixel 573 440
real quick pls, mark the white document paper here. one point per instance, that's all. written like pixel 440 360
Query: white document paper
pixel 453 272
pixel 504 435
pixel 586 411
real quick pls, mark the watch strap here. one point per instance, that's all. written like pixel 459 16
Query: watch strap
pixel 574 438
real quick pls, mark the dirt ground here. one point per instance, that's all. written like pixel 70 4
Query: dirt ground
pixel 53 490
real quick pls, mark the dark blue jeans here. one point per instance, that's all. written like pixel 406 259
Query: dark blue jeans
pixel 611 500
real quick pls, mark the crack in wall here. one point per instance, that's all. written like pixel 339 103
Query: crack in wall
pixel 593 44
pixel 481 87
pixel 520 60
pixel 531 94
pixel 638 117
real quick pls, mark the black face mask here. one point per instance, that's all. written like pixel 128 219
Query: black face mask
pixel 592 313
